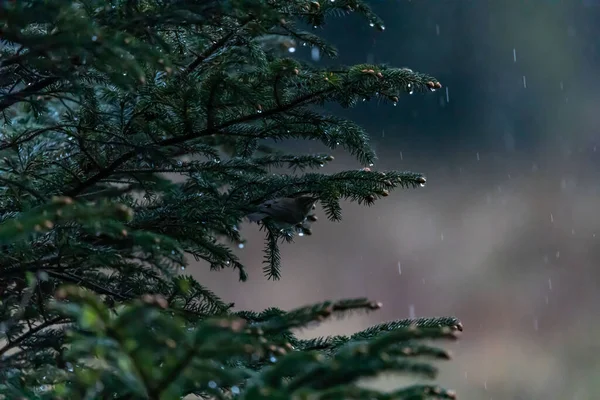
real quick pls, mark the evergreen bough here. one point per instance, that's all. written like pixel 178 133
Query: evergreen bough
pixel 101 99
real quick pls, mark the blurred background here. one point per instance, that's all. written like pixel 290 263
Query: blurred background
pixel 506 234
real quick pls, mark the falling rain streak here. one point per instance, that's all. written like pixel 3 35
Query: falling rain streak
pixel 514 55
pixel 411 311
pixel 524 82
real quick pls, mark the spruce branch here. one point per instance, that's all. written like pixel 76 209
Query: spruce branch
pixel 34 89
pixel 158 124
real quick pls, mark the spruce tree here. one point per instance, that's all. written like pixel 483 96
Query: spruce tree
pixel 102 103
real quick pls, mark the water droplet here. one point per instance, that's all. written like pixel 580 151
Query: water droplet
pixel 382 28
pixel 235 390
pixel 370 165
pixel 371 24
pixel 259 111
pixel 241 245
pixel 94 38
pixel 273 359
pixel 182 267
pixel 395 104
pixel 212 384
pixel 292 49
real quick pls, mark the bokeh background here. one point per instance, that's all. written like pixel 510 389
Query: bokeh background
pixel 506 235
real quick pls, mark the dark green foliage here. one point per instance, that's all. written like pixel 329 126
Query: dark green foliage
pixel 137 133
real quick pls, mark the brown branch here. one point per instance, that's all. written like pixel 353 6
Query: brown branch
pixel 108 171
pixel 31 332
pixel 85 283
pixel 212 49
pixel 11 99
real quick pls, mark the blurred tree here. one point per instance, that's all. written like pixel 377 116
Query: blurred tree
pixel 99 100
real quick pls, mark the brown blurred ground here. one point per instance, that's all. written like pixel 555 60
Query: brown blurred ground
pixel 515 258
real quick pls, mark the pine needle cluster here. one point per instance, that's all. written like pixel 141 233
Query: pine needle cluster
pixel 104 102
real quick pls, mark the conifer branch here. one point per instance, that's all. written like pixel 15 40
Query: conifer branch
pixel 16 342
pixel 129 96
pixel 33 89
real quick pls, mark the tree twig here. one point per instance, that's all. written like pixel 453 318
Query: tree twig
pixel 13 98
